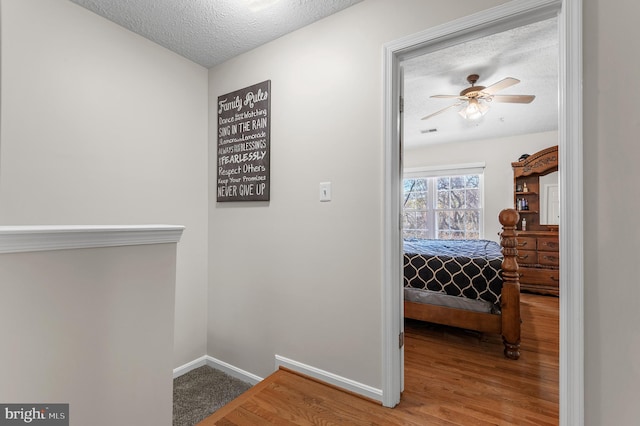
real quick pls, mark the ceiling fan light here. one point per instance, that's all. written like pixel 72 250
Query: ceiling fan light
pixel 474 110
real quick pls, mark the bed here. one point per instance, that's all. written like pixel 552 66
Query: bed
pixel 467 284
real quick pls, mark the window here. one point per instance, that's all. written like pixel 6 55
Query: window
pixel 443 204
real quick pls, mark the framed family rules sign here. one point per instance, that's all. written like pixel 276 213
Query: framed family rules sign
pixel 244 130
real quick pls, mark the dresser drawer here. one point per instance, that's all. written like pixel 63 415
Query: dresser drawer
pixel 541 276
pixel 548 244
pixel 526 243
pixel 548 258
pixel 527 257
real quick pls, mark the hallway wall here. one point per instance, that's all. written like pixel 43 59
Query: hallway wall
pixel 296 277
pixel 101 126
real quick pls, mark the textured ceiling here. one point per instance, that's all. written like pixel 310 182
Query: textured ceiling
pixel 529 54
pixel 209 32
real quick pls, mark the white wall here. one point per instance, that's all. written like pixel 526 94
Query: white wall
pixel 611 203
pixel 296 277
pixel 497 154
pixel 337 63
pixel 91 328
pixel 100 126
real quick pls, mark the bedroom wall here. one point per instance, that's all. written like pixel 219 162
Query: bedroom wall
pixel 497 154
pixel 100 126
pixel 296 277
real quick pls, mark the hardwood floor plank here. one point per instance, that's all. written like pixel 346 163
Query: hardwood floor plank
pixel 452 377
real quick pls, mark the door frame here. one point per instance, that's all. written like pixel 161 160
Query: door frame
pixel 509 15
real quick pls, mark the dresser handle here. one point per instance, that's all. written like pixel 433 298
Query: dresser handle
pixel 553 278
pixel 523 257
pixel 549 257
pixel 551 244
pixel 522 244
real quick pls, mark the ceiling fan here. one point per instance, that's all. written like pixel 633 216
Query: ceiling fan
pixel 477 97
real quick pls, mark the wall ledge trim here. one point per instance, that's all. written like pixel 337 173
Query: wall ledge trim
pixel 19 239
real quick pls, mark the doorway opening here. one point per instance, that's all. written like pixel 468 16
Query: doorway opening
pixel 510 15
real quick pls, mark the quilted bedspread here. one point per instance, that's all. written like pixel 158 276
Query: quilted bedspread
pixel 465 268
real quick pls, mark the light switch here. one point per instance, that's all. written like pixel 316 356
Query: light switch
pixel 325 191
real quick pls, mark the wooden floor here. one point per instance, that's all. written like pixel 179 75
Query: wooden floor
pixel 452 377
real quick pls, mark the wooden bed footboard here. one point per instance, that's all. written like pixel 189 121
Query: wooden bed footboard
pixel 508 322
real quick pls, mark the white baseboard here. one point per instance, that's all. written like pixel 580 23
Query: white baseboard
pixel 233 371
pixel 229 369
pixel 184 369
pixel 307 370
pixel 330 378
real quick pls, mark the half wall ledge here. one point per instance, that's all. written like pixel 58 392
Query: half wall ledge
pixel 17 239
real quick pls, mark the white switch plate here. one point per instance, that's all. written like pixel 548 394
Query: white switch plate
pixel 325 191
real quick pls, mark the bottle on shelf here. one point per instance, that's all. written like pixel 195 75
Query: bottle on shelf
pixel 524 223
pixel 522 204
pixel 524 187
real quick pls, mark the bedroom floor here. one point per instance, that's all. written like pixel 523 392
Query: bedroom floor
pixel 454 376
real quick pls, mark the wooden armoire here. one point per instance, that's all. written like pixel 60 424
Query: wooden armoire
pixel 538 244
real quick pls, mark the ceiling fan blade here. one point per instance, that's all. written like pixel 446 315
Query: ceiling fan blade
pixel 442 110
pixel 513 99
pixel 446 96
pixel 502 84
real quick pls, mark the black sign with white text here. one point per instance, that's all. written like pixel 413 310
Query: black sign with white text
pixel 244 124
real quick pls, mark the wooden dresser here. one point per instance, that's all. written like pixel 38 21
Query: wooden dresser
pixel 538 248
pixel 539 261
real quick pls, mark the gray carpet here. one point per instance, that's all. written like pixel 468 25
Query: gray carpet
pixel 202 391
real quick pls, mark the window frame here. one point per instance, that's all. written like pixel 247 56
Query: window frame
pixel 426 172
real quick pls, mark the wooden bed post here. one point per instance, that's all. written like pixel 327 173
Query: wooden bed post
pixel 510 301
